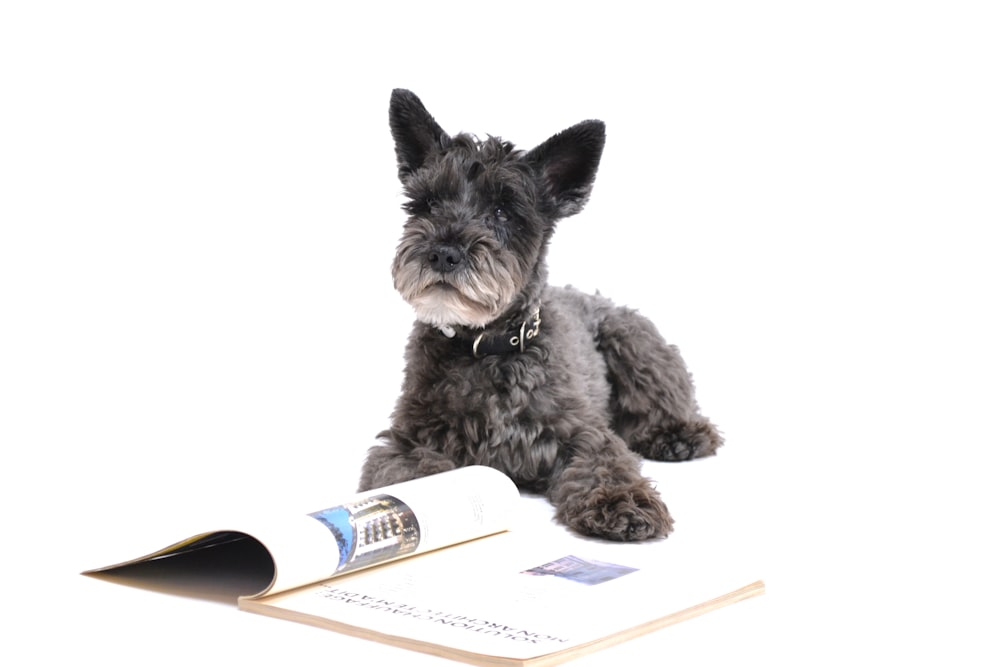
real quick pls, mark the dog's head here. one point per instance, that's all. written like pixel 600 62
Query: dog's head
pixel 481 213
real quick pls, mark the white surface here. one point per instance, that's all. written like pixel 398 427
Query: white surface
pixel 199 208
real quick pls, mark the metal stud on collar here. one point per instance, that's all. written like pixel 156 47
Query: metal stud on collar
pixel 530 333
pixel 529 329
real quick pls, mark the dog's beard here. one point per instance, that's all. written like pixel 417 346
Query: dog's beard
pixel 471 296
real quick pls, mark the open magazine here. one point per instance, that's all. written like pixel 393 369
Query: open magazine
pixel 440 565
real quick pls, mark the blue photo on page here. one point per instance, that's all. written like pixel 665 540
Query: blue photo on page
pixel 581 570
pixel 371 530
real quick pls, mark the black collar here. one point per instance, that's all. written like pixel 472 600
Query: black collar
pixel 515 339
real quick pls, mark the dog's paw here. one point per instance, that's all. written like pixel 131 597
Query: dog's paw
pixel 681 441
pixel 619 513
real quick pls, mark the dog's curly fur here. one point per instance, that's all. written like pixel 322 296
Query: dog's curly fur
pixel 560 390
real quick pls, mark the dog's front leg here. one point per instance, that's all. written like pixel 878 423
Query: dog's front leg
pixel 601 491
pixel 395 462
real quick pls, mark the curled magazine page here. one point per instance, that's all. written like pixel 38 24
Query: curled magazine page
pixel 404 519
pixel 365 529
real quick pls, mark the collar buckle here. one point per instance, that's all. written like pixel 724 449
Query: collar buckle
pixel 529 329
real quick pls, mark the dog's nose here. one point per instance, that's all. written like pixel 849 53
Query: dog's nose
pixel 445 258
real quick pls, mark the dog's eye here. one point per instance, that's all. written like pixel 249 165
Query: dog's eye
pixel 500 214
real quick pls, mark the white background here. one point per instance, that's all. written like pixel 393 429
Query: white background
pixel 199 208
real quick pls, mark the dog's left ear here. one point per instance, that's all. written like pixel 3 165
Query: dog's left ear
pixel 567 163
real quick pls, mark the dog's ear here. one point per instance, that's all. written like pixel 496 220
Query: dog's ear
pixel 414 130
pixel 567 163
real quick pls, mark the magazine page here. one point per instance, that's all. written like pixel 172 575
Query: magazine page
pixel 364 529
pixel 516 596
pixel 394 522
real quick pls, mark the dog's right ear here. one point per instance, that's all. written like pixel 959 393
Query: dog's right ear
pixel 414 130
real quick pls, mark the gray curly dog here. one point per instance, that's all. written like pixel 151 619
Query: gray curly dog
pixel 560 390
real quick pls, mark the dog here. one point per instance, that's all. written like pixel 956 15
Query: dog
pixel 562 391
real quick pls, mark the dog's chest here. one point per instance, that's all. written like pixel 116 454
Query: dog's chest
pixel 499 391
pixel 500 411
